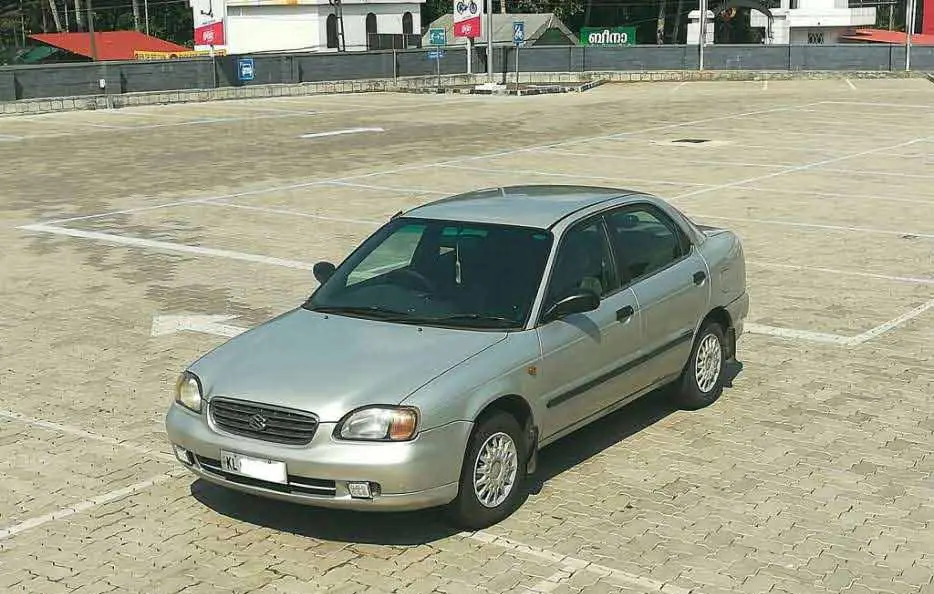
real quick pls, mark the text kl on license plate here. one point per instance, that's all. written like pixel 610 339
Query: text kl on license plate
pixel 266 470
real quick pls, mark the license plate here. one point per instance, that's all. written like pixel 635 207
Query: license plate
pixel 258 468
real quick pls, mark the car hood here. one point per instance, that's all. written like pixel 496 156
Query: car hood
pixel 330 364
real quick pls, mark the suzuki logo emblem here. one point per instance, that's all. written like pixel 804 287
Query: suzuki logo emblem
pixel 258 422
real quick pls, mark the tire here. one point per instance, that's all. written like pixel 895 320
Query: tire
pixel 468 511
pixel 709 350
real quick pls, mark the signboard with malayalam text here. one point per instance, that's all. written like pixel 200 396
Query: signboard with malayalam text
pixel 467 18
pixel 210 34
pixel 608 36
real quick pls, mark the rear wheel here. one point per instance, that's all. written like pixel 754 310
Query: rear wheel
pixel 492 477
pixel 702 379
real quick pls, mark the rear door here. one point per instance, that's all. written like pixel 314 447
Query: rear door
pixel 668 277
pixel 584 355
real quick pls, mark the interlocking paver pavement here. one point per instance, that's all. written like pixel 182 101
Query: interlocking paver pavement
pixel 813 474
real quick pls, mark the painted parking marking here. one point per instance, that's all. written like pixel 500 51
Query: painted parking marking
pixel 290 213
pixel 341 132
pixel 570 175
pixel 87 504
pixel 572 564
pixel 817 226
pixel 165 246
pixel 836 271
pixel 78 432
pixel 805 167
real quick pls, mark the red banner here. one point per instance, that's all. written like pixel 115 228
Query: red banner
pixel 927 16
pixel 210 34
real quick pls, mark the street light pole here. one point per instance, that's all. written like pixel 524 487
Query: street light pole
pixel 146 14
pixel 702 37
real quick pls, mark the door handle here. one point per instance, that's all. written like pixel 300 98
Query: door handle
pixel 699 277
pixel 625 313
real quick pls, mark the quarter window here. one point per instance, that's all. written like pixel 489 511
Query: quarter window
pixel 644 241
pixel 583 262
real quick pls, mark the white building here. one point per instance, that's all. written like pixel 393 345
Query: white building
pixel 797 22
pixel 252 26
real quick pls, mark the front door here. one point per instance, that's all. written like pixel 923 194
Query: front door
pixel 669 279
pixel 584 355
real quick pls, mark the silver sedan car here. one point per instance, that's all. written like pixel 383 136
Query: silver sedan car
pixel 432 364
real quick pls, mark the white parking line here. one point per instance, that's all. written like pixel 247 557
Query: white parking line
pixel 68 430
pixel 881 197
pixel 340 132
pixel 894 323
pixel 165 246
pixel 794 334
pixel 905 279
pixel 9 138
pixel 850 83
pixel 881 104
pixel 390 188
pixel 292 213
pixel 571 175
pixel 881 173
pixel 804 167
pixel 87 504
pixel 574 565
pixel 818 226
pixel 661 160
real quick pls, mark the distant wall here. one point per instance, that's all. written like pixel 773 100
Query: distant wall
pixel 83 79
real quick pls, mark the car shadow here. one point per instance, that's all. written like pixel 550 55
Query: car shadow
pixel 425 526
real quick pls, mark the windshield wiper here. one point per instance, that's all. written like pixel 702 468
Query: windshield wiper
pixel 371 310
pixel 470 316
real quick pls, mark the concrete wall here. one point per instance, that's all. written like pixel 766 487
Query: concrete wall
pixel 76 80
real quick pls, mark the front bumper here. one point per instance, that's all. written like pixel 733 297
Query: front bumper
pixel 410 475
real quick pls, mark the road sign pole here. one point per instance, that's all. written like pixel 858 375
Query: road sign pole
pixel 469 55
pixel 702 37
pixel 518 37
pixel 489 39
pixel 438 65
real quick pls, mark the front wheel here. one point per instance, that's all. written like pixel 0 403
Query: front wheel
pixel 492 477
pixel 702 379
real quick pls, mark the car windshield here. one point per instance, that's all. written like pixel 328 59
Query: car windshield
pixel 440 273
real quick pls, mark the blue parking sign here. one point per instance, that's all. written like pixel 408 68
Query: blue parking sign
pixel 518 32
pixel 245 69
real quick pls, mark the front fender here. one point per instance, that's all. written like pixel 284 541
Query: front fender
pixel 464 391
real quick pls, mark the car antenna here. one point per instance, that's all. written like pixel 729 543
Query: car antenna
pixel 395 215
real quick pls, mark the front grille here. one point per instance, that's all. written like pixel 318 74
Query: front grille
pixel 263 421
pixel 298 485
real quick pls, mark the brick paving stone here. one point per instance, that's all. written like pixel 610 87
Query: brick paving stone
pixel 817 457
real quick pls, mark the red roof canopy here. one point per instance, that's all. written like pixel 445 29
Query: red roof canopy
pixel 884 36
pixel 111 45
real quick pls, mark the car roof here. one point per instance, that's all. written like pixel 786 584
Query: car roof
pixel 539 206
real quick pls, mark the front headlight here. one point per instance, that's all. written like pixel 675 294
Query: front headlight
pixel 379 423
pixel 188 391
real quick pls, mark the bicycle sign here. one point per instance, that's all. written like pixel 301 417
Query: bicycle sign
pixel 467 20
pixel 518 32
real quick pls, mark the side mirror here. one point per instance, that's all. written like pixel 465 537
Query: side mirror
pixel 323 271
pixel 578 302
